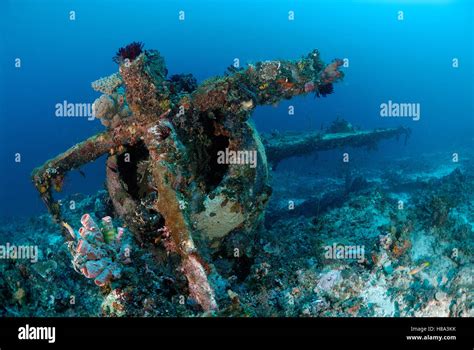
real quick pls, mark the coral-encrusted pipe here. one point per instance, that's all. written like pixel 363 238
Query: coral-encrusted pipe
pixel 80 154
pixel 266 82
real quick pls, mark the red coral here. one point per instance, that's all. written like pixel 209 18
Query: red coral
pixel 331 73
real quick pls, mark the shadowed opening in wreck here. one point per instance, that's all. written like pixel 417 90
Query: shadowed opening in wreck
pixel 242 267
pixel 216 170
pixel 212 171
pixel 134 171
pixel 132 166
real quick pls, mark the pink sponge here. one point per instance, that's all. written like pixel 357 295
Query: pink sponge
pixel 95 257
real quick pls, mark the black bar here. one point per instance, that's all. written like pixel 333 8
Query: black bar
pixel 372 331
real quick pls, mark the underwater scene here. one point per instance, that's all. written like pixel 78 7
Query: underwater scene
pixel 236 159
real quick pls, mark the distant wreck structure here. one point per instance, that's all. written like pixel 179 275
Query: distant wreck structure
pixel 163 137
pixel 281 146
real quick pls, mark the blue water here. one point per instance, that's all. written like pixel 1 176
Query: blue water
pixel 402 61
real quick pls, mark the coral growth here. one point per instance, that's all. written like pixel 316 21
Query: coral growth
pixel 111 109
pixel 101 251
pixel 439 208
pixel 107 85
pixel 103 107
pixel 340 125
pixel 182 83
pixel 331 72
pixel 268 70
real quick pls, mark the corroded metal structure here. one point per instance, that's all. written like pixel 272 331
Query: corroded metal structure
pixel 162 140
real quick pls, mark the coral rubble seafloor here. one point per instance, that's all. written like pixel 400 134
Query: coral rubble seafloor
pixel 417 260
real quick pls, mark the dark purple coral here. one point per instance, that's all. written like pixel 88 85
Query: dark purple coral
pixel 130 52
pixel 324 90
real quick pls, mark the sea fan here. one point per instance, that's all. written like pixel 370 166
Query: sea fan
pixel 324 90
pixel 131 51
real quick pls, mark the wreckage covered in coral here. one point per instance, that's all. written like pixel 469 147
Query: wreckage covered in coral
pixel 184 208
